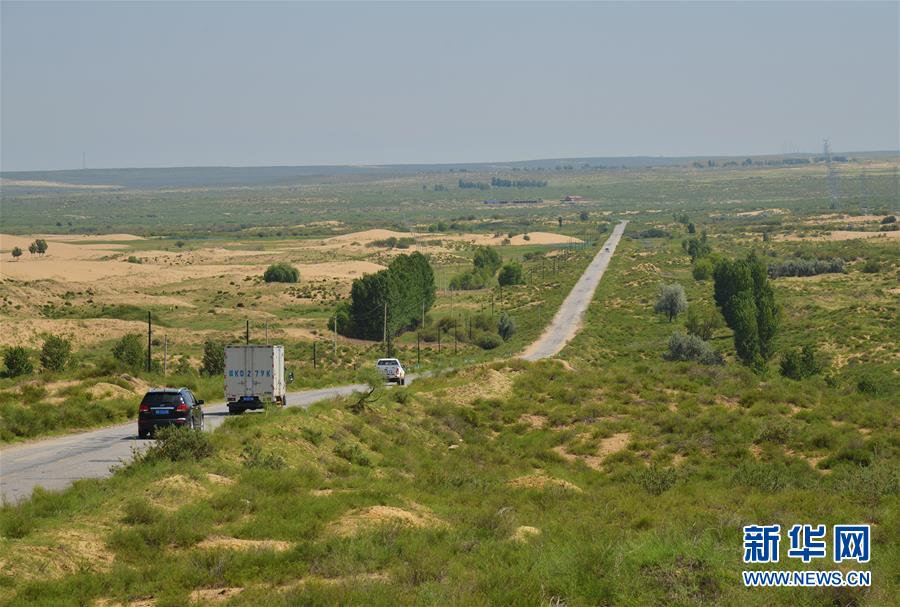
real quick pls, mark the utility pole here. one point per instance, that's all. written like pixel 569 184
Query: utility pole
pixel 455 340
pixel 149 340
pixel 334 326
pixel 267 332
pixel 247 335
pixel 384 326
pixel 165 354
pixel 418 349
pixel 832 176
pixel 315 361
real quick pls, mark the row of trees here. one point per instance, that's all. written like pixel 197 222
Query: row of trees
pixel 484 272
pixel 38 247
pixel 806 267
pixel 388 301
pixel 497 182
pixel 56 353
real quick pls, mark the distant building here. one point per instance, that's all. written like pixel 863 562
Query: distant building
pixel 573 198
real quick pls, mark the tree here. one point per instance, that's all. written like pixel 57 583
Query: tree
pixel 129 351
pixel 583 216
pixel 697 247
pixel 16 253
pixel 41 246
pixel 747 302
pixel 672 301
pixel 511 274
pixel 32 248
pixel 55 353
pixel 560 220
pixel 405 289
pixel 690 347
pixel 506 327
pixel 213 358
pixel 487 259
pixel 17 362
pixel 692 229
pixel 281 272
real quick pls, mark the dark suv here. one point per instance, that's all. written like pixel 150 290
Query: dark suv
pixel 167 406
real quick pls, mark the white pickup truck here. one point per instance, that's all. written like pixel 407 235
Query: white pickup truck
pixel 391 370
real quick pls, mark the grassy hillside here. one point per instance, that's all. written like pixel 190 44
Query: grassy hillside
pixel 611 476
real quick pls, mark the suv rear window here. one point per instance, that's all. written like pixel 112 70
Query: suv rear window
pixel 154 399
pixel 387 361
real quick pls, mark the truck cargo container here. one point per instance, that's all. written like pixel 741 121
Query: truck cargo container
pixel 254 376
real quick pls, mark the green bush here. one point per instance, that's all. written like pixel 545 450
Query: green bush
pixel 506 327
pixel 703 269
pixel 702 324
pixel 174 443
pixel 129 351
pixel 55 353
pixel 800 364
pixel 487 341
pixel 213 358
pixel 352 453
pixel 15 523
pixel 867 385
pixel 511 274
pixel 690 347
pixel 871 267
pixel 17 362
pixel 281 272
pixel 253 457
pixel 139 511
pixel 656 480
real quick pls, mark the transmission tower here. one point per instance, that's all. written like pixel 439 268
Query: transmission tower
pixel 832 178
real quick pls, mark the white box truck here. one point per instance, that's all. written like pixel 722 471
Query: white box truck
pixel 254 375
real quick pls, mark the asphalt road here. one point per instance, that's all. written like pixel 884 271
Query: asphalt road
pixel 567 322
pixel 54 463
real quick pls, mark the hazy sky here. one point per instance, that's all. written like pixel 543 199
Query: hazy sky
pixel 214 83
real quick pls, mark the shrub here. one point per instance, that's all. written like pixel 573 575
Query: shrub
pixel 488 341
pixel 703 269
pixel 800 364
pixel 281 272
pixel 672 301
pixel 690 347
pixel 17 523
pixel 129 351
pixel 253 457
pixel 506 327
pixel 702 324
pixel 139 511
pixel 511 274
pixel 806 267
pixel 868 386
pixel 656 480
pixel 17 362
pixel 174 443
pixel 213 358
pixel 653 233
pixel 871 267
pixel 352 453
pixel 55 353
pixel 133 259
pixel 888 219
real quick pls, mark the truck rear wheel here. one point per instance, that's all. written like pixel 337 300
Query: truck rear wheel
pixel 235 410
